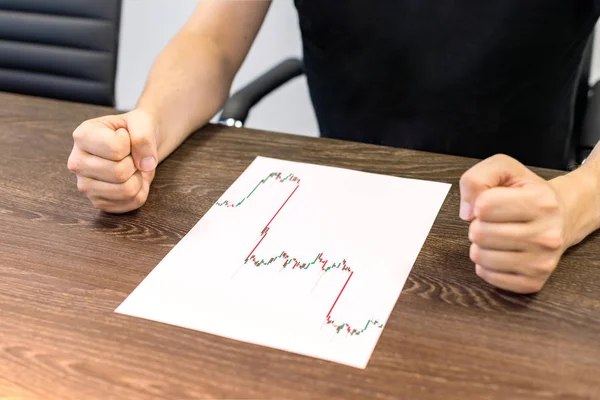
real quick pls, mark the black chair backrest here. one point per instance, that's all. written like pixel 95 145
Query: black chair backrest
pixel 64 49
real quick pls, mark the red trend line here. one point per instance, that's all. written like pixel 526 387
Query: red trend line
pixel 339 295
pixel 266 228
pixel 261 239
pixel 284 203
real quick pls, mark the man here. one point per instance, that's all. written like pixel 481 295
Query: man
pixel 473 78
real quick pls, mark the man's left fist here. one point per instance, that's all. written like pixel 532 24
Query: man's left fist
pixel 517 225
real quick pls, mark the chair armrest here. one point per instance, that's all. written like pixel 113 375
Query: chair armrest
pixel 238 106
pixel 590 134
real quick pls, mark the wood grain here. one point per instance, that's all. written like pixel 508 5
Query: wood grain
pixel 65 267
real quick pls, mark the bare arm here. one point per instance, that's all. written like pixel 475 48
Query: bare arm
pixel 114 157
pixel 581 193
pixel 191 79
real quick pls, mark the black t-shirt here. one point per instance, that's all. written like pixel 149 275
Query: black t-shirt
pixel 464 77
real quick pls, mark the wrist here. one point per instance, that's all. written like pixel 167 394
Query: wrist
pixel 154 114
pixel 579 192
pixel 173 125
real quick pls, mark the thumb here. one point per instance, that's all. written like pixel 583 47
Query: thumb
pixel 143 133
pixel 498 170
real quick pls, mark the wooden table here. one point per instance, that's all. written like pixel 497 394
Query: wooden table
pixel 65 267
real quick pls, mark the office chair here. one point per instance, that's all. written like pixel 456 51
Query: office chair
pixel 586 124
pixel 63 49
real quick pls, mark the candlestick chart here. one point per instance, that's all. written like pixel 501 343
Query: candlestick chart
pixel 287 260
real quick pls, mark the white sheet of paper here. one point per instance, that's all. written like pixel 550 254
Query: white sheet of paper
pixel 299 257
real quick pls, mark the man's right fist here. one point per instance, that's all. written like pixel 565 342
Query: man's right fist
pixel 114 158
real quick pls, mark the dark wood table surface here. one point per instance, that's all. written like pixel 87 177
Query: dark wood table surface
pixel 65 267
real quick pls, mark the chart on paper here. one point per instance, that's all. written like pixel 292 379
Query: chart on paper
pixel 298 257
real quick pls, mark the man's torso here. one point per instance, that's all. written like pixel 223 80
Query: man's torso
pixel 465 77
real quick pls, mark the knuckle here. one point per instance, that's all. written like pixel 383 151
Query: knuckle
pixel 117 151
pixel 82 185
pixel 73 163
pixel 484 206
pixel 504 160
pixel 547 202
pixel 120 173
pixel 545 266
pixel 501 157
pixel 130 190
pixel 80 132
pixel 141 198
pixel 466 179
pixel 471 179
pixel 481 272
pixel 123 138
pixel 552 239
pixel 475 231
pixel 140 140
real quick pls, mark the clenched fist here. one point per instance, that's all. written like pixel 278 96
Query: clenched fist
pixel 114 158
pixel 517 224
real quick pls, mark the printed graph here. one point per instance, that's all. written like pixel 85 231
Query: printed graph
pixel 285 260
pixel 299 257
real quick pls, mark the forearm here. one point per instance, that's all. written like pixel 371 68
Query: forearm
pixel 580 192
pixel 187 85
